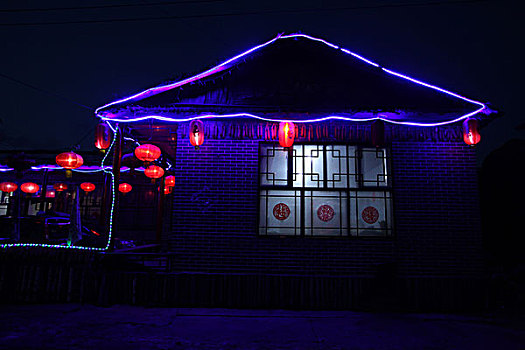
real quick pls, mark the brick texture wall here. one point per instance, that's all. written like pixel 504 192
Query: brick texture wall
pixel 213 227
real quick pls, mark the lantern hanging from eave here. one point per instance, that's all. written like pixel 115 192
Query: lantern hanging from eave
pixel 69 160
pixel 125 187
pixel 29 187
pixel 102 136
pixel 169 181
pixel 147 152
pixel 196 133
pixel 167 189
pixel 471 134
pixel 8 187
pixel 87 186
pixel 50 194
pixel 286 134
pixel 154 172
pixel 59 187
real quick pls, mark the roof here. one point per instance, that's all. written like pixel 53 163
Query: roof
pixel 297 78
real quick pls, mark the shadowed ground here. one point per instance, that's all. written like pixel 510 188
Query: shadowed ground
pixel 70 326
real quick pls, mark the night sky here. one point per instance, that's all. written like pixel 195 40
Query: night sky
pixel 474 48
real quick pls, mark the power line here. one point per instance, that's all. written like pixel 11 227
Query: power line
pixel 60 97
pixel 247 13
pixel 106 6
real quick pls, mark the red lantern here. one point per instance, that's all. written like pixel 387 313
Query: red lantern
pixel 29 187
pixel 471 134
pixel 87 186
pixel 167 189
pixel 169 181
pixel 50 194
pixel 286 134
pixel 124 187
pixel 69 160
pixel 196 133
pixel 102 136
pixel 147 152
pixel 154 172
pixel 8 187
pixel 59 187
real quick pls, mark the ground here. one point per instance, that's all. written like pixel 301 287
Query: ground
pixel 71 326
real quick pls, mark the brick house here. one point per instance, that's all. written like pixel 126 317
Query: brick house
pixel 377 196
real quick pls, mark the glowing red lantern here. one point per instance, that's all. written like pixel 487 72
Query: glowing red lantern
pixel 102 136
pixel 29 187
pixel 147 152
pixel 50 194
pixel 286 134
pixel 196 133
pixel 87 186
pixel 167 189
pixel 8 187
pixel 69 160
pixel 169 181
pixel 124 187
pixel 59 187
pixel 471 134
pixel 154 172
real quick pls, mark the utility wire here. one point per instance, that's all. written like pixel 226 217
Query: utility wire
pixel 106 6
pixel 247 13
pixel 60 97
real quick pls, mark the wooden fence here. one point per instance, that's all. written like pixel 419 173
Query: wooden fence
pixel 56 276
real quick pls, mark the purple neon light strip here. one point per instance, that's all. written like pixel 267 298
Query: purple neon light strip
pixel 330 117
pixel 220 66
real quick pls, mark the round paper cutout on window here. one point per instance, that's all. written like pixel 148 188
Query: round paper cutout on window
pixel 325 213
pixel 281 211
pixel 370 215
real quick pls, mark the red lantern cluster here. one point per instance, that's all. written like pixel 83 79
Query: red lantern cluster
pixel 102 136
pixel 59 187
pixel 196 133
pixel 471 134
pixel 286 134
pixel 147 152
pixel 8 187
pixel 125 187
pixel 69 160
pixel 87 186
pixel 154 172
pixel 29 187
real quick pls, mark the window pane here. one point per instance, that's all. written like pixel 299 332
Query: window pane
pixel 273 165
pixel 336 166
pixel 280 213
pixel 373 167
pixel 341 166
pixel 308 166
pixel 325 213
pixel 370 213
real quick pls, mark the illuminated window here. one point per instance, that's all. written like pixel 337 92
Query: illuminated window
pixel 324 190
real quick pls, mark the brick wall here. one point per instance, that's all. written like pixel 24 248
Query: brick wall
pixel 435 204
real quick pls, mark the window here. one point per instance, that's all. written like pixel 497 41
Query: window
pixel 324 190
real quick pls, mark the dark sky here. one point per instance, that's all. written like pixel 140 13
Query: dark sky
pixel 474 48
